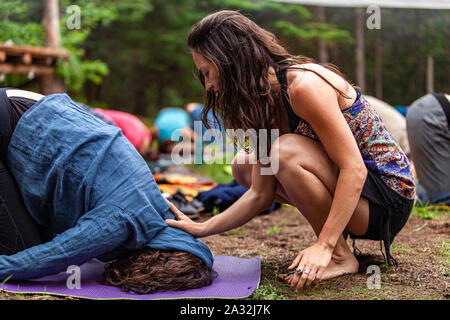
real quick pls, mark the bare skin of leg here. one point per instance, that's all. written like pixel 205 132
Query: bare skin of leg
pixel 307 179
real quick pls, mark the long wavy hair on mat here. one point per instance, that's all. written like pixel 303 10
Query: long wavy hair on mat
pixel 149 270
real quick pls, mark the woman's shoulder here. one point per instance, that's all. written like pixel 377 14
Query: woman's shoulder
pixel 314 74
pixel 314 79
pixel 305 79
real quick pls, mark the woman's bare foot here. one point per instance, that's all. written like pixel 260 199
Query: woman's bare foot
pixel 340 264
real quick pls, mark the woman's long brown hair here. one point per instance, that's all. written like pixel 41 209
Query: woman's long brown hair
pixel 243 53
pixel 149 270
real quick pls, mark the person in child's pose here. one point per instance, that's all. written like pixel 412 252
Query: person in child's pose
pixel 73 188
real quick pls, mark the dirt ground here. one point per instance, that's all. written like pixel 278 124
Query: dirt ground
pixel 421 248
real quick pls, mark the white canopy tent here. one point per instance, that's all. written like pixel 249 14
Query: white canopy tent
pixel 406 4
pixel 359 6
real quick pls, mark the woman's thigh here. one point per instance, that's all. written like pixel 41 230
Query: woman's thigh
pixel 290 150
pixel 293 150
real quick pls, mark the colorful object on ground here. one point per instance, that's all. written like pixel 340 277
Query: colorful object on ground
pixel 237 278
pixel 169 121
pixel 189 185
pixel 133 128
pixel 195 113
pixel 224 195
pixel 182 189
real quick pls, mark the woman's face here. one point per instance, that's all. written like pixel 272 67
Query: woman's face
pixel 208 70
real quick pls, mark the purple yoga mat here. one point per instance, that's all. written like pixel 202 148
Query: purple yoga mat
pixel 237 278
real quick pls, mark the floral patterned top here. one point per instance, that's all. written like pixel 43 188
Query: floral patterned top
pixel 380 152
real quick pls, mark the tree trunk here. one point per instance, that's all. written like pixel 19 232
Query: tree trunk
pixel 51 24
pixel 359 50
pixel 323 51
pixel 140 101
pixel 379 66
pixel 160 95
pixel 419 59
pixel 48 84
pixel 430 73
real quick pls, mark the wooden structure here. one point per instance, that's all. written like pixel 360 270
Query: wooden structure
pixel 16 59
pixel 37 61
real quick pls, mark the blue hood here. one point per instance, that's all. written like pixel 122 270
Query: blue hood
pixel 174 238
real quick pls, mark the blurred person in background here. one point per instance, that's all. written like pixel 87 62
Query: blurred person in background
pixel 428 127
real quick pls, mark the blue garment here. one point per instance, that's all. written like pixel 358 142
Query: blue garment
pixel 82 179
pixel 402 109
pixel 224 195
pixel 221 196
pixel 170 121
pixel 424 199
pixel 196 115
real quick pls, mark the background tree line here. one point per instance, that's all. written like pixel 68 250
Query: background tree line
pixel 131 55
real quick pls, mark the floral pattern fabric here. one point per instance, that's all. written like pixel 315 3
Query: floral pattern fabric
pixel 380 152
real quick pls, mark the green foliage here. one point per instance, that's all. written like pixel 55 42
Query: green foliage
pixel 22 33
pixel 215 211
pixel 6 280
pixel 314 30
pixel 132 54
pixel 444 248
pixel 18 24
pixel 434 32
pixel 266 291
pixel 430 212
pixel 272 230
pixel 94 14
pixel 219 173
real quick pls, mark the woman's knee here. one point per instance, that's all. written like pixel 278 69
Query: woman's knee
pixel 282 149
pixel 241 167
pixel 290 149
pixel 296 152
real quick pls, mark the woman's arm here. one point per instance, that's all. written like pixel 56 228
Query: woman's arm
pixel 259 197
pixel 96 233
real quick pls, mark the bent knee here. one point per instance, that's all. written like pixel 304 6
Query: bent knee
pixel 241 167
pixel 292 147
pixel 293 151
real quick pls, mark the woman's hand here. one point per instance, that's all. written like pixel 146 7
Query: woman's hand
pixel 312 262
pixel 183 222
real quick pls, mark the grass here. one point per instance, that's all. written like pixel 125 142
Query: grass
pixel 404 250
pixel 235 232
pixel 215 211
pixel 430 212
pixel 444 250
pixel 270 289
pixel 272 230
pixel 219 173
pixel 266 291
pixel 4 281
